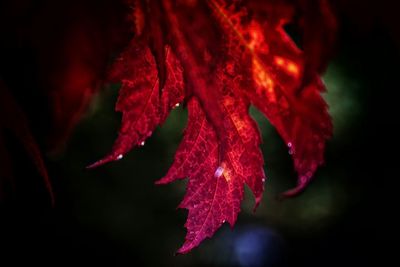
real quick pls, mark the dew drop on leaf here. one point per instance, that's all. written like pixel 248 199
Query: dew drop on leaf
pixel 218 172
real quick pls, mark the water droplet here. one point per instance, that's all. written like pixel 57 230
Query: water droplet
pixel 177 105
pixel 142 143
pixel 120 156
pixel 223 221
pixel 289 144
pixel 291 152
pixel 218 172
pixel 263 180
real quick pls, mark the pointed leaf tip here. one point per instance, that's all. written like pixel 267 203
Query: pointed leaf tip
pixel 292 192
pixel 103 161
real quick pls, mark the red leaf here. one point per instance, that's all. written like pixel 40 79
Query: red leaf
pixel 13 119
pixel 215 188
pixel 300 117
pixel 142 105
pixel 229 58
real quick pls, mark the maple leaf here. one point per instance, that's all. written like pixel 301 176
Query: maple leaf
pixel 140 100
pixel 219 57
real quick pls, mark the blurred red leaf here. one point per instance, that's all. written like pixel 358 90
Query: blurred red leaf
pixel 13 119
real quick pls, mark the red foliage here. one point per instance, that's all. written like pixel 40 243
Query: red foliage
pixel 54 56
pixel 141 102
pixel 13 120
pixel 220 57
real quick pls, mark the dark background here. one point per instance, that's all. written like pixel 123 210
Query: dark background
pixel 115 214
